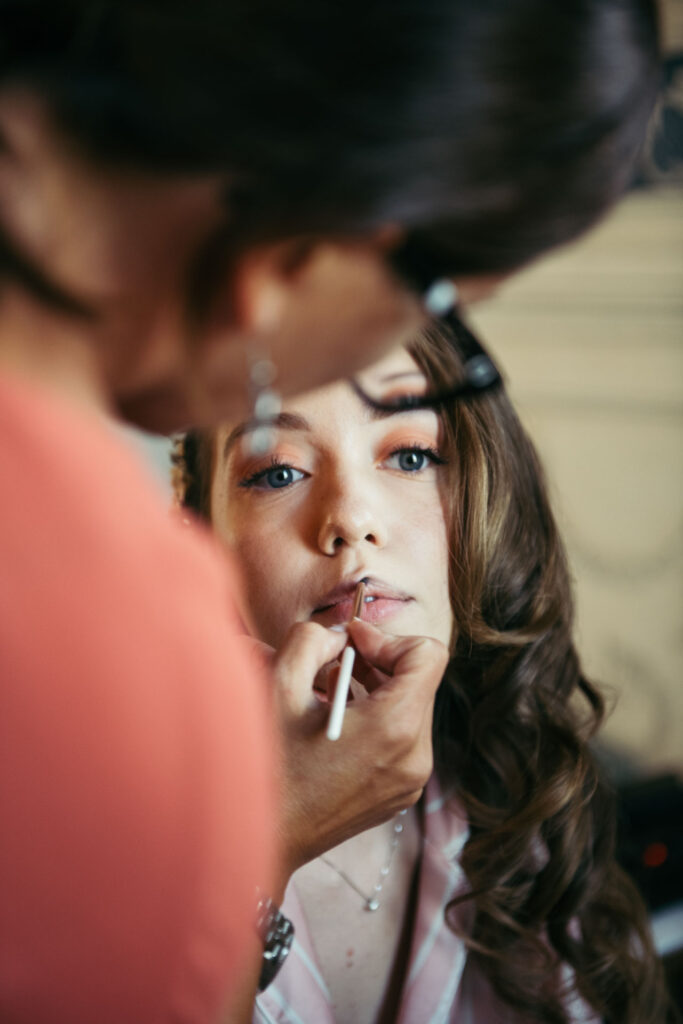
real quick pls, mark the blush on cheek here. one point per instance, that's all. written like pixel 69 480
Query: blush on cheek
pixel 425 520
pixel 268 596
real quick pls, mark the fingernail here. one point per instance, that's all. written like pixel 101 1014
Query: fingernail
pixel 337 628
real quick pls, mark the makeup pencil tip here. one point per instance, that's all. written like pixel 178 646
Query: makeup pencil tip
pixel 358 600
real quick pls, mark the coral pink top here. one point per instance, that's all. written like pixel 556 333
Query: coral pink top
pixel 135 771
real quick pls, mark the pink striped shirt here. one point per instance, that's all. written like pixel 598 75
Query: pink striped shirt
pixel 440 986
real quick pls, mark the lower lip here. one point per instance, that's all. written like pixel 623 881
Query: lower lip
pixel 379 610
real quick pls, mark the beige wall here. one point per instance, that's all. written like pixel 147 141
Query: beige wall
pixel 592 344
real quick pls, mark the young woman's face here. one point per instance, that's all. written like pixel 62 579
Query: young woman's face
pixel 344 495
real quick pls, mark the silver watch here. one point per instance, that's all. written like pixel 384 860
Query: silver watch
pixel 277 933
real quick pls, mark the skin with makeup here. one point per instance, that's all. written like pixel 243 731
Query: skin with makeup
pixel 456 543
pixel 345 495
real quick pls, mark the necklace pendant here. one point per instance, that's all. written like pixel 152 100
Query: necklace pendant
pixel 372 903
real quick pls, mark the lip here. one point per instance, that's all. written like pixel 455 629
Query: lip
pixel 335 607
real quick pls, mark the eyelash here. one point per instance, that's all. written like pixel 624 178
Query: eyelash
pixel 432 454
pixel 276 463
pixel 273 463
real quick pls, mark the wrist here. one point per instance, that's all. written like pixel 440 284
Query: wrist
pixel 290 858
pixel 276 933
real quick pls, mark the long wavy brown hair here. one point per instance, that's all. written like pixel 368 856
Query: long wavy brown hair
pixel 513 719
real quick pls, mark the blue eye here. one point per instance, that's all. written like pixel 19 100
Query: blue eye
pixel 274 477
pixel 414 460
pixel 280 476
pixel 411 460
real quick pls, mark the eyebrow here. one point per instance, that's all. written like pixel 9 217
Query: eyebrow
pixel 377 412
pixel 401 376
pixel 284 421
pixel 294 421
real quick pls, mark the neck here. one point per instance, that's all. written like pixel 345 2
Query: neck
pixel 364 848
pixel 52 351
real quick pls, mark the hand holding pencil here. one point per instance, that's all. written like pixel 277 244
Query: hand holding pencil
pixel 341 693
pixel 329 791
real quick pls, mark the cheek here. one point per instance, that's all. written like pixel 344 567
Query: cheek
pixel 266 579
pixel 428 543
pixel 424 527
pixel 264 539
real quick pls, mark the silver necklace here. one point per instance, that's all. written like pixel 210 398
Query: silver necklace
pixel 372 902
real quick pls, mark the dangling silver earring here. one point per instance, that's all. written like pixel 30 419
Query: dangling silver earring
pixel 267 406
pixel 441 297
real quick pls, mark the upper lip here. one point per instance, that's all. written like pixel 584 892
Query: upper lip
pixel 375 587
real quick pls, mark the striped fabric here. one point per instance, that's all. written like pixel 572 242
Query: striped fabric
pixel 439 987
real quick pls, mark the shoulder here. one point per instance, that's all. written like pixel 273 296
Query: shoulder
pixel 133 735
pixel 87 540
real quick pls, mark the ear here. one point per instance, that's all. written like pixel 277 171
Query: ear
pixel 262 284
pixel 268 280
pixel 25 232
pixel 318 309
pixel 22 136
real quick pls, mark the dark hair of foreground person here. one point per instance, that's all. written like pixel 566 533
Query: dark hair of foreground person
pixel 489 132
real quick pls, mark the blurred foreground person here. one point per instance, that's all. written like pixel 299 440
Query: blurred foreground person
pixel 199 204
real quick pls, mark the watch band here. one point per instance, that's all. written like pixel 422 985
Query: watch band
pixel 277 933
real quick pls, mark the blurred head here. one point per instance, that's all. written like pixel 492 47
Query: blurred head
pixel 195 179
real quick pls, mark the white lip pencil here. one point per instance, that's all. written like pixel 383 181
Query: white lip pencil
pixel 334 725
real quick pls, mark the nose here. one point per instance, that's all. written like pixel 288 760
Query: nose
pixel 349 518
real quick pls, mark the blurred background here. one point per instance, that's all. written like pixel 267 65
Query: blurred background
pixel 591 342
